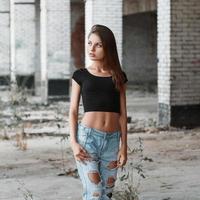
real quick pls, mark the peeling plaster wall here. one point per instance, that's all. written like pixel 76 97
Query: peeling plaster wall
pixel 138 6
pixel 77 34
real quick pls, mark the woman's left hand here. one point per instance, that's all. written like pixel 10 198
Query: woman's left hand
pixel 122 156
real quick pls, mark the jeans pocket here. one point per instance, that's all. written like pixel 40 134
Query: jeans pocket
pixel 81 136
pixel 113 145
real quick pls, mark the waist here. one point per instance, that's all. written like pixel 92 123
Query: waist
pixel 98 132
pixel 105 121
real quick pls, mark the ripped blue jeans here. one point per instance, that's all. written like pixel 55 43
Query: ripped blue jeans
pixel 99 174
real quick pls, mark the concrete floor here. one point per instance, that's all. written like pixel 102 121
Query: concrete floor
pixel 173 173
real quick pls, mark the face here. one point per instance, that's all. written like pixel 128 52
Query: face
pixel 95 48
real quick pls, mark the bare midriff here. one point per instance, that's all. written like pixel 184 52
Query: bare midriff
pixel 104 121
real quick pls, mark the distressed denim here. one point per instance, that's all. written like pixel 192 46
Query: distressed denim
pixel 103 148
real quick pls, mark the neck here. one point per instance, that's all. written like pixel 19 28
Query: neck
pixel 98 65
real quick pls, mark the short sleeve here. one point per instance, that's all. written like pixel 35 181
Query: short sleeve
pixel 125 77
pixel 77 76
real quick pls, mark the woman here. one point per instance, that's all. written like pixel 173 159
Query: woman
pixel 95 141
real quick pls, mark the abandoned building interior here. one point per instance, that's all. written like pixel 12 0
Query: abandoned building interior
pixel 43 41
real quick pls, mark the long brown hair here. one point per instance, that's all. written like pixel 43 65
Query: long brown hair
pixel 111 59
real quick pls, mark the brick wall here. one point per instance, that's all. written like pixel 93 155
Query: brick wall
pixel 179 62
pixel 25 38
pixel 58 39
pixel 163 54
pixel 108 13
pixel 163 49
pixel 185 52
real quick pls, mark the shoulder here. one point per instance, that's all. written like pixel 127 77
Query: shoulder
pixel 78 72
pixel 78 75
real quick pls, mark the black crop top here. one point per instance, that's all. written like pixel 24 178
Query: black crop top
pixel 98 93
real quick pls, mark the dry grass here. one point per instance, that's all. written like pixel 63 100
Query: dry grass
pixel 21 141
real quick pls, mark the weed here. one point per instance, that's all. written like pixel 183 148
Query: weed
pixel 5 135
pixel 128 188
pixel 21 141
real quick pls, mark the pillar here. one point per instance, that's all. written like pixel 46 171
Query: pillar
pixel 13 80
pixel 43 51
pixel 178 62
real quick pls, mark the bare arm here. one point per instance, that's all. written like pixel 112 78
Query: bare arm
pixel 122 155
pixel 73 110
pixel 123 117
pixel 79 152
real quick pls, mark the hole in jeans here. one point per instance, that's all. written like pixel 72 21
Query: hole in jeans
pixel 112 164
pixel 111 181
pixel 94 177
pixel 96 194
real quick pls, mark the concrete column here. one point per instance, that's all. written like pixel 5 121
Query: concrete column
pixel 163 53
pixel 179 61
pixel 185 63
pixel 108 13
pixel 5 38
pixel 58 39
pixel 54 54
pixel 12 48
pixel 43 51
pixel 37 77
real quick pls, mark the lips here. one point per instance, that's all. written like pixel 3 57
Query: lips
pixel 91 54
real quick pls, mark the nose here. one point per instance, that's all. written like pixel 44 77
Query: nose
pixel 92 47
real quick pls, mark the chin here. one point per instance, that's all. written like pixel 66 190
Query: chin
pixel 95 59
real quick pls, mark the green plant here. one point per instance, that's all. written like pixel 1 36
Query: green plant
pixel 130 177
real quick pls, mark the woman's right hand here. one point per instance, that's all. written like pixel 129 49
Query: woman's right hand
pixel 80 153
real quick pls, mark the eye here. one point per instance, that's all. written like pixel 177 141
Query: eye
pixel 99 45
pixel 89 42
